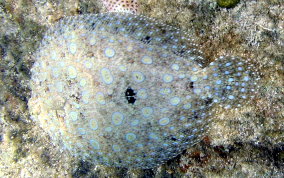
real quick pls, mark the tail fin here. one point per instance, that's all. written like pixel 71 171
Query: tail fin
pixel 231 81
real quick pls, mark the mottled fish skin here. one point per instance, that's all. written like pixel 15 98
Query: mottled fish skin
pixel 126 91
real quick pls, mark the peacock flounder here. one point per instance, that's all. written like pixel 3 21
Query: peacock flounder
pixel 125 91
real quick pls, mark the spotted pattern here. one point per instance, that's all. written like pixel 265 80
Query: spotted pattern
pixel 73 115
pixel 175 67
pixel 122 89
pixel 109 52
pixel 134 122
pixel 72 48
pixel 55 72
pixel 95 144
pixel 93 40
pixel 147 111
pixel 194 78
pixel 81 131
pixel 72 72
pixel 147 60
pixel 108 129
pixel 88 64
pixel 83 82
pixel 122 68
pixel 130 137
pixel 85 97
pixel 142 93
pixel 117 118
pixel 167 78
pixel 175 100
pixel 93 124
pixel 106 76
pixel 53 55
pixel 187 106
pixel 138 77
pixel 59 86
pixel 116 148
pixel 165 91
pixel 164 121
pixel 100 98
pixel 153 136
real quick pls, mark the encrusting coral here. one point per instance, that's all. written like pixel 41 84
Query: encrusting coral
pixel 130 6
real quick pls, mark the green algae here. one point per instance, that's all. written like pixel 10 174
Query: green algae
pixel 227 3
pixel 45 157
pixel 16 137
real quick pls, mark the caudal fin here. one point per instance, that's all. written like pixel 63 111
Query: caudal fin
pixel 231 81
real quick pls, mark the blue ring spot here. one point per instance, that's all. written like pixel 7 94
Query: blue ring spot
pixel 167 78
pixel 117 118
pixel 95 144
pixel 106 76
pixel 218 82
pixel 109 52
pixel 93 124
pixel 231 97
pixel 138 77
pixel 175 67
pixel 130 137
pixel 134 122
pixel 147 111
pixel 116 148
pixel 246 78
pixel 228 64
pixel 164 121
pixel 194 78
pixel 175 101
pixel 147 60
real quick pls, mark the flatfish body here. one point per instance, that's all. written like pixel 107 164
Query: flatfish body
pixel 123 90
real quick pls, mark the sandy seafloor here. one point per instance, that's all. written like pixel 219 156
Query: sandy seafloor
pixel 248 142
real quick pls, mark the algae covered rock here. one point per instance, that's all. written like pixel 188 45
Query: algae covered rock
pixel 125 91
pixel 227 3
